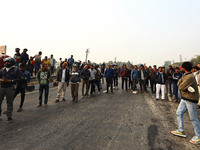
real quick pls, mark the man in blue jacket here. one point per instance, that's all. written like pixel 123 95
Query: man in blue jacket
pixel 134 77
pixel 109 74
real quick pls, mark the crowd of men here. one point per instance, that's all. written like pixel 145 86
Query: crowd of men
pixel 164 83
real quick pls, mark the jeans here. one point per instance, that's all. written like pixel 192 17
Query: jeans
pixel 115 81
pixel 37 67
pixel 153 86
pixel 191 107
pixel 8 93
pixel 124 80
pixel 143 85
pixel 52 70
pixel 134 82
pixel 170 87
pixel 92 86
pixel 41 89
pixel 22 91
pixel 85 82
pixel 74 90
pixel 109 84
pixel 175 90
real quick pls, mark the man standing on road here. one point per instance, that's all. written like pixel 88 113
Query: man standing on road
pixel 152 75
pixel 53 62
pixel 142 79
pixel 85 75
pixel 116 76
pixel 134 78
pixel 38 61
pixel 160 79
pixel 92 79
pixel 24 56
pixel 124 73
pixel 9 75
pixel 176 76
pixel 190 96
pixel 71 62
pixel 75 79
pixel 62 81
pixel 44 77
pixel 17 56
pixel 109 74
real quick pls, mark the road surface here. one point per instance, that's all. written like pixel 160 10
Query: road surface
pixel 119 121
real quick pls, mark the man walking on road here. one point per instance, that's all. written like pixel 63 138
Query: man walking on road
pixel 142 79
pixel 134 78
pixel 85 75
pixel 52 62
pixel 124 73
pixel 9 75
pixel 62 81
pixel 75 79
pixel 44 77
pixel 190 96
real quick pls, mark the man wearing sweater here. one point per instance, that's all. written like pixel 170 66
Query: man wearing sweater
pixel 190 96
pixel 109 74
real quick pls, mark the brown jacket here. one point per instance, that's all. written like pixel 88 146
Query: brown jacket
pixel 186 81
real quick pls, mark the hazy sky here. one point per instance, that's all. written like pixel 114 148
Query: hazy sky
pixel 142 31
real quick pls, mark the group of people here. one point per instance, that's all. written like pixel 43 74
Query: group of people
pixel 161 81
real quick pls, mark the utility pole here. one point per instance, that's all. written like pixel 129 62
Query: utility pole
pixel 115 59
pixel 180 58
pixel 87 52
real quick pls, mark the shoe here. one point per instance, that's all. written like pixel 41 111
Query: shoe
pixel 195 140
pixel 19 110
pixel 39 105
pixel 178 133
pixel 198 106
pixel 5 112
pixel 9 120
pixel 63 100
pixel 112 92
pixel 175 100
pixel 57 101
pixel 76 100
pixel 45 105
pixel 170 99
pixel 163 99
pixel 156 99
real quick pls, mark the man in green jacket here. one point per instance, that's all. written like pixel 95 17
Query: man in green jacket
pixel 43 77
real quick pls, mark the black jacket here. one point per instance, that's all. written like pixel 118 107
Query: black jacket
pixel 75 76
pixel 85 74
pixel 13 74
pixel 144 73
pixel 159 79
pixel 59 75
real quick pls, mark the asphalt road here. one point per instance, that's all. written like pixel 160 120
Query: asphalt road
pixel 119 121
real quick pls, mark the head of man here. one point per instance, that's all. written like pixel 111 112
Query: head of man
pixel 154 67
pixel 160 69
pixel 86 67
pixel 51 56
pixel 163 69
pixel 177 70
pixel 45 58
pixel 135 67
pixel 40 53
pixel 141 67
pixel 25 50
pixel 150 68
pixel 64 65
pixel 115 67
pixel 22 67
pixel 186 67
pixel 17 50
pixel 125 66
pixel 75 67
pixel 44 67
pixel 72 56
pixel 195 69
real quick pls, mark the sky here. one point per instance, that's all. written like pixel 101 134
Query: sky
pixel 139 31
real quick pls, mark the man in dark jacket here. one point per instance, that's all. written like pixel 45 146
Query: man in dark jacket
pixel 109 74
pixel 85 75
pixel 62 81
pixel 9 75
pixel 22 85
pixel 152 75
pixel 24 56
pixel 124 73
pixel 75 79
pixel 176 76
pixel 142 79
pixel 116 76
pixel 160 79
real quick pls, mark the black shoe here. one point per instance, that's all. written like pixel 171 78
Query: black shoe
pixel 57 101
pixel 9 120
pixel 39 105
pixel 156 99
pixel 63 100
